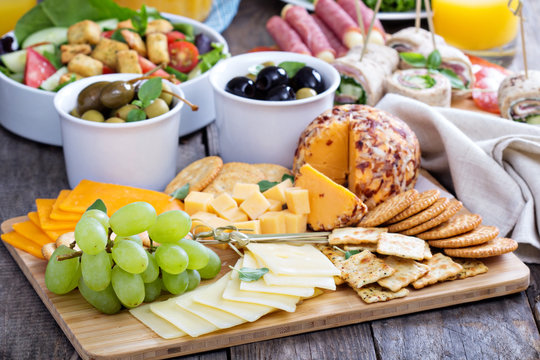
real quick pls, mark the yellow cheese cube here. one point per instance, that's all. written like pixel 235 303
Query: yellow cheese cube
pixel 241 191
pixel 222 203
pixel 249 227
pixel 278 192
pixel 275 205
pixel 205 220
pixel 234 214
pixel 197 201
pixel 297 200
pixel 273 222
pixel 295 223
pixel 255 205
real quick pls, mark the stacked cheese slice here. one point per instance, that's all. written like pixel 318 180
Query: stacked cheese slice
pixel 296 273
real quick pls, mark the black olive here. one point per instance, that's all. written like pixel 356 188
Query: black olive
pixel 280 93
pixel 241 86
pixel 88 98
pixel 308 77
pixel 203 43
pixel 117 94
pixel 270 77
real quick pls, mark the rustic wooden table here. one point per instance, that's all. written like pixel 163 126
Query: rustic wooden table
pixel 499 328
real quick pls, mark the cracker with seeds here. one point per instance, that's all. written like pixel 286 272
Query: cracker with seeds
pixel 273 172
pixel 456 225
pixel 423 201
pixel 374 293
pixel 407 271
pixel 480 235
pixel 355 235
pixel 232 173
pixel 471 267
pixel 336 257
pixel 402 246
pixel 423 216
pixel 441 267
pixel 364 268
pixel 388 209
pixel 199 174
pixel 497 246
pixel 453 207
pixel 361 247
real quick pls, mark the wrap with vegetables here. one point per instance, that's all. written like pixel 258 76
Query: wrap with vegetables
pixel 387 57
pixel 361 81
pixel 427 86
pixel 519 97
pixel 412 39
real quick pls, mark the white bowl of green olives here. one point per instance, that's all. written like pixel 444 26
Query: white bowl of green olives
pixel 264 100
pixel 120 128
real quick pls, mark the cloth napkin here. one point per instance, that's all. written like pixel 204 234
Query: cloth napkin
pixel 222 14
pixel 491 164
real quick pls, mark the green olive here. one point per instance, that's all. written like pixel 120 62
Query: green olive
pixel 123 112
pixel 165 96
pixel 75 113
pixel 93 115
pixel 305 93
pixel 156 108
pixel 115 119
pixel 89 97
pixel 117 94
pixel 268 63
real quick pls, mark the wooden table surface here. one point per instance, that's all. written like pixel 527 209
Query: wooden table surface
pixel 499 328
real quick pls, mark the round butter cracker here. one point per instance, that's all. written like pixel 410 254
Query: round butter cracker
pixel 273 172
pixel 199 174
pixel 388 209
pixel 453 207
pixel 423 216
pixel 423 201
pixel 479 235
pixel 232 173
pixel 455 226
pixel 497 246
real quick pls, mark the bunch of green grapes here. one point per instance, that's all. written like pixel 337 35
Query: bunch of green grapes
pixel 111 273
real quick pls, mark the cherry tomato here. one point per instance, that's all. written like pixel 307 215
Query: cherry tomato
pixel 107 70
pixel 264 48
pixel 487 78
pixel 184 56
pixel 37 68
pixel 146 65
pixel 175 36
pixel 107 34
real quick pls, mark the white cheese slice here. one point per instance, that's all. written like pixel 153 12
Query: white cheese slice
pixel 160 326
pixel 261 286
pixel 186 321
pixel 285 259
pixel 213 296
pixel 233 292
pixel 323 282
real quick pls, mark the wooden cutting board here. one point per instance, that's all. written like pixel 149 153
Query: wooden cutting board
pixel 121 336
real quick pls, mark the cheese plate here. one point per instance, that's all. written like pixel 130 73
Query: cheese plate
pixel 121 336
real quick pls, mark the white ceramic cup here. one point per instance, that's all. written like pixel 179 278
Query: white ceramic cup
pixel 141 154
pixel 258 131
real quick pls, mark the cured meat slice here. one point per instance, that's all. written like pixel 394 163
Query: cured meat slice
pixel 349 6
pixel 298 18
pixel 519 97
pixel 335 42
pixel 285 37
pixel 340 22
pixel 426 86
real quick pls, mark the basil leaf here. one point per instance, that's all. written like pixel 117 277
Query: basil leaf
pixel 99 205
pixel 140 21
pixel 54 59
pixel 291 67
pixel 350 253
pixel 434 60
pixel 456 82
pixel 287 176
pixel 150 90
pixel 250 274
pixel 265 185
pixel 136 115
pixel 414 59
pixel 117 35
pixel 181 193
pixel 137 103
pixel 179 75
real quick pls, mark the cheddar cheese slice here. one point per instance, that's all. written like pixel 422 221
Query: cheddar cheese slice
pixel 30 231
pixel 44 208
pixel 22 243
pixel 57 214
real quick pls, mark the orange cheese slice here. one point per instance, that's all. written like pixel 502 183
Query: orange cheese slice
pixel 20 242
pixel 58 214
pixel 331 205
pixel 30 231
pixel 44 208
pixel 52 234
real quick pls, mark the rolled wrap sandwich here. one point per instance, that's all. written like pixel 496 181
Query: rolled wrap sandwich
pixel 362 82
pixel 411 39
pixel 519 97
pixel 387 57
pixel 423 85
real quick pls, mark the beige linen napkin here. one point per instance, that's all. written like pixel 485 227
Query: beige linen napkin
pixel 491 164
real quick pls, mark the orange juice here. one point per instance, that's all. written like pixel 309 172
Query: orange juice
pixel 11 11
pixel 195 9
pixel 474 24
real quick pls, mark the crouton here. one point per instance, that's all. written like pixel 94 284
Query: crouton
pixel 69 51
pixel 106 49
pixel 126 24
pixel 85 66
pixel 84 32
pixel 157 48
pixel 67 77
pixel 134 41
pixel 128 62
pixel 159 25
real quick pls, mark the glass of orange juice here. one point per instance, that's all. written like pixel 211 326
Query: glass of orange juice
pixel 11 11
pixel 485 28
pixel 194 9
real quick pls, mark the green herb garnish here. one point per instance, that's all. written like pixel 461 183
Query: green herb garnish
pixel 99 205
pixel 181 193
pixel 54 59
pixel 350 253
pixel 291 67
pixel 265 184
pixel 150 91
pixel 250 274
pixel 179 75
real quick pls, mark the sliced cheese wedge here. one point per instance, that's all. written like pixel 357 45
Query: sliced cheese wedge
pixel 157 324
pixel 323 282
pixel 186 321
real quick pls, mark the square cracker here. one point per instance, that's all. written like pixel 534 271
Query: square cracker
pixel 336 257
pixel 407 271
pixel 427 252
pixel 471 267
pixel 364 268
pixel 355 235
pixel 375 293
pixel 441 267
pixel 402 246
pixel 361 247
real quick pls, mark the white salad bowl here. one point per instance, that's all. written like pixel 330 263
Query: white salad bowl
pixel 259 131
pixel 30 112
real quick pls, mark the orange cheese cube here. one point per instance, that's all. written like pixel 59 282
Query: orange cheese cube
pixel 297 200
pixel 222 203
pixel 255 205
pixel 273 222
pixel 241 191
pixel 278 192
pixel 249 227
pixel 295 223
pixel 197 201
pixel 234 214
pixel 275 205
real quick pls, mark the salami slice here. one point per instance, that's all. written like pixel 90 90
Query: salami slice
pixel 340 22
pixel 299 19
pixel 285 37
pixel 379 35
pixel 337 45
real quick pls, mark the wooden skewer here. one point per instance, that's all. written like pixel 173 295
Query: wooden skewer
pixel 366 40
pixel 417 18
pixel 430 22
pixel 360 19
pixel 518 11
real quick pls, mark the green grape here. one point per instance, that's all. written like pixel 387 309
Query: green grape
pixel 130 256
pixel 60 275
pixel 198 256
pixel 152 290
pixel 128 287
pixel 134 238
pixel 96 270
pixel 105 301
pixel 176 284
pixel 170 226
pixel 213 267
pixel 172 258
pixel 90 235
pixel 194 279
pixel 99 216
pixel 151 272
pixel 133 218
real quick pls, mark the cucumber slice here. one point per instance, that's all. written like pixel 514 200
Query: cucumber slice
pixel 16 60
pixel 533 119
pixel 108 24
pixel 18 77
pixel 54 35
pixel 52 81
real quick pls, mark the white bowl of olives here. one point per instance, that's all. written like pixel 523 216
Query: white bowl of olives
pixel 120 128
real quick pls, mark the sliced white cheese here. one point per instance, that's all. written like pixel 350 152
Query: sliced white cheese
pixel 213 296
pixel 261 286
pixel 160 326
pixel 323 282
pixel 233 292
pixel 285 259
pixel 186 321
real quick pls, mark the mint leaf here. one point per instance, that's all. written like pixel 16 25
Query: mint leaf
pixel 291 67
pixel 414 59
pixel 250 274
pixel 456 82
pixel 99 205
pixel 265 185
pixel 137 103
pixel 136 115
pixel 434 60
pixel 181 193
pixel 350 253
pixel 150 90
